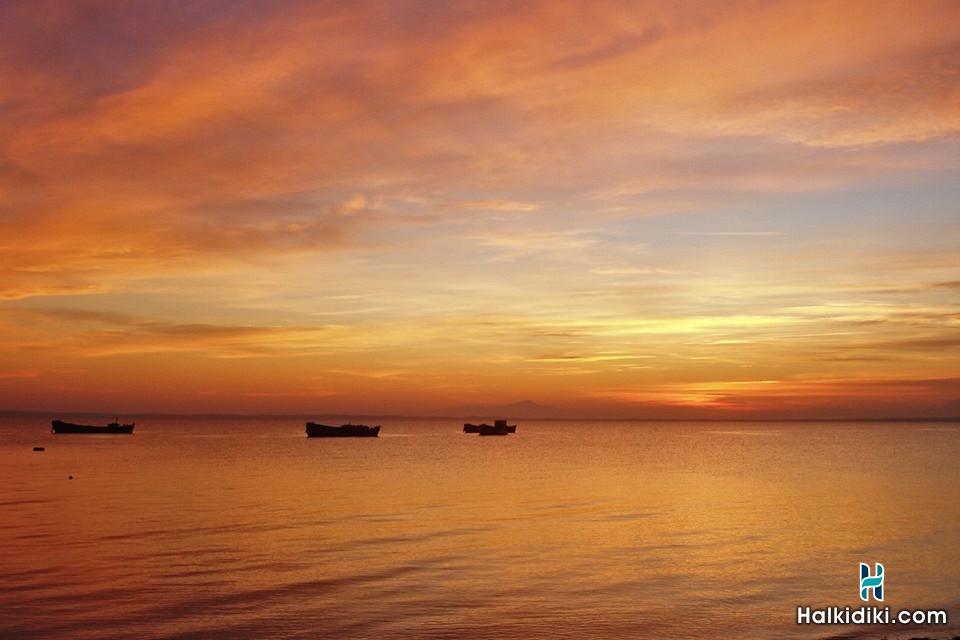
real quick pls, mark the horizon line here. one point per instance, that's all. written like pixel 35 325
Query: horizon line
pixel 14 413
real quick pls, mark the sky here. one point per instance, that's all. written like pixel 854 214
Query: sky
pixel 618 209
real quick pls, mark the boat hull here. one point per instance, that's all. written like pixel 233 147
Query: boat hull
pixel 58 426
pixel 496 430
pixel 315 430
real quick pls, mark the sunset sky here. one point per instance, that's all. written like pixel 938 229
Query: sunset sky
pixel 615 208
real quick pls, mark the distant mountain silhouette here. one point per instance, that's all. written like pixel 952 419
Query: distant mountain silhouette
pixel 951 409
pixel 519 410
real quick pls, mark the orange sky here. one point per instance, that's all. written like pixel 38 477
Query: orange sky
pixel 616 208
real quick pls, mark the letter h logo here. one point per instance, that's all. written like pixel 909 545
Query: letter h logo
pixel 868 582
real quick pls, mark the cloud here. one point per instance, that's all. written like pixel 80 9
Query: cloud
pixel 20 373
pixel 730 233
pixel 99 334
pixel 935 343
pixel 600 357
pixel 432 96
pixel 77 254
pixel 496 205
pixel 798 398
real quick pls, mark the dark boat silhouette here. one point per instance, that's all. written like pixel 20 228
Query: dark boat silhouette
pixel 315 430
pixel 499 428
pixel 59 426
pixel 486 429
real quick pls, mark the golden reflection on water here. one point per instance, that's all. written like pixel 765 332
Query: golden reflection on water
pixel 563 530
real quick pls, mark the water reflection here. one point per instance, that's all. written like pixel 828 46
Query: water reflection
pixel 218 529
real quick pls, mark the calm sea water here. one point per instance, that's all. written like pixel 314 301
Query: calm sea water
pixel 217 528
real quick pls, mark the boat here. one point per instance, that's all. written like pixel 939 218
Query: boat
pixel 499 428
pixel 59 426
pixel 487 430
pixel 511 428
pixel 315 430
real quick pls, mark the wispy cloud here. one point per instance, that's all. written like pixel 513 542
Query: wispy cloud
pixel 20 373
pixel 729 233
pixel 99 334
pixel 497 205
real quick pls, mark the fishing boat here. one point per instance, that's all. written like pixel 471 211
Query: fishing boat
pixel 315 430
pixel 488 430
pixel 499 428
pixel 59 426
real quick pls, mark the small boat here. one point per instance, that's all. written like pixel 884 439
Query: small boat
pixel 499 428
pixel 315 430
pixel 498 425
pixel 59 426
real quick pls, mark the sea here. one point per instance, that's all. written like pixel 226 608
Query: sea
pixel 243 528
